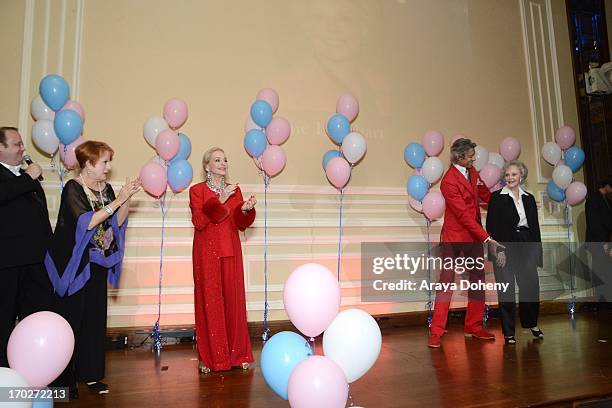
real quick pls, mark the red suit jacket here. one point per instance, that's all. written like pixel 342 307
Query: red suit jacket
pixel 462 218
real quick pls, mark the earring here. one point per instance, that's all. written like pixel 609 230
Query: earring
pixel 208 176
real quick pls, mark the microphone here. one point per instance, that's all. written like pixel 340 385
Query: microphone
pixel 28 160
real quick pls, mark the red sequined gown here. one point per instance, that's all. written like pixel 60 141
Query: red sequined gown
pixel 220 306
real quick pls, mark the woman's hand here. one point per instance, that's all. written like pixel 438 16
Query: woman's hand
pixel 501 259
pixel 227 192
pixel 130 188
pixel 249 204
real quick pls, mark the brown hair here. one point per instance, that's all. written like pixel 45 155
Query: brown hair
pixel 3 131
pixel 91 151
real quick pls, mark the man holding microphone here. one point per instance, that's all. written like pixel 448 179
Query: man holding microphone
pixel 25 233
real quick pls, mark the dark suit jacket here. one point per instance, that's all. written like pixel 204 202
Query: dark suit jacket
pixel 502 219
pixel 25 231
pixel 598 217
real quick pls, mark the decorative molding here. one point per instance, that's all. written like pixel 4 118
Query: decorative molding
pixel 26 67
pixel 542 74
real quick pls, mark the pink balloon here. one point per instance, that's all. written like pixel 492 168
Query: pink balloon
pixel 269 95
pixel 317 382
pixel 497 186
pixel 416 205
pixel 575 193
pixel 565 137
pixel 338 172
pixel 312 298
pixel 348 106
pixel 561 162
pixel 167 144
pixel 510 148
pixel 40 347
pixel 490 174
pixel 67 153
pixel 278 131
pixel 153 178
pixel 273 160
pixel 75 106
pixel 434 205
pixel 433 143
pixel 175 112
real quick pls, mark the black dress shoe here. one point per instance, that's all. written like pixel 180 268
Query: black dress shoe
pixel 537 333
pixel 98 387
pixel 510 340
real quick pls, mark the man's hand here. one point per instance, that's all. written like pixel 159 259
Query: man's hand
pixel 34 171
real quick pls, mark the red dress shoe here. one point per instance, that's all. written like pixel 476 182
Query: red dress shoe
pixel 433 341
pixel 481 334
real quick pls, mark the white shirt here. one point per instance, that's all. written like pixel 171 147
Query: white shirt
pixel 520 208
pixel 13 169
pixel 462 170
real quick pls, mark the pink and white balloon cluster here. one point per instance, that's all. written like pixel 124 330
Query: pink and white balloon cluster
pixel 337 164
pixel 491 164
pixel 39 349
pixel 265 133
pixel 59 120
pixel 567 159
pixel 351 343
pixel 428 170
pixel 170 167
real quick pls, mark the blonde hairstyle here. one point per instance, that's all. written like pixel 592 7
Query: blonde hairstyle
pixel 206 158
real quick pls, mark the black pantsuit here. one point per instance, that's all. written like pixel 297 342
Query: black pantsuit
pixel 523 255
pixel 25 233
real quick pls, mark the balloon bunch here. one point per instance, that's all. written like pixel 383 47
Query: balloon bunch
pixel 58 120
pixel 491 164
pixel 265 134
pixel 39 349
pixel 428 170
pixel 351 343
pixel 170 167
pixel 337 164
pixel 567 160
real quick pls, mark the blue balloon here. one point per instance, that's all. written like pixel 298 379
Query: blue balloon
pixel 42 403
pixel 338 126
pixel 54 91
pixel 417 187
pixel 574 157
pixel 555 192
pixel 280 355
pixel 255 142
pixel 414 154
pixel 184 148
pixel 68 126
pixel 180 175
pixel 330 155
pixel 261 113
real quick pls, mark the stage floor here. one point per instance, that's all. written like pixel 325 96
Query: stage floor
pixel 569 364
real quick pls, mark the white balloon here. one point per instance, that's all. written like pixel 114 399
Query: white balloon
pixel 10 378
pixel 152 127
pixel 416 205
pixel 562 176
pixel 353 341
pixel 40 110
pixel 481 156
pixel 496 159
pixel 44 136
pixel 551 152
pixel 250 125
pixel 432 169
pixel 353 147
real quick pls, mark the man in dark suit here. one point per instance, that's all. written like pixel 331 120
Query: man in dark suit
pixel 25 232
pixel 598 211
pixel 462 236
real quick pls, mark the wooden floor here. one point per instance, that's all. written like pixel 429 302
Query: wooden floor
pixel 572 363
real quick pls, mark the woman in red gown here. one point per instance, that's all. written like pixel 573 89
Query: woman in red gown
pixel 218 211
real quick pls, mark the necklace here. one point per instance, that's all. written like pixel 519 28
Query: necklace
pixel 219 190
pixel 88 190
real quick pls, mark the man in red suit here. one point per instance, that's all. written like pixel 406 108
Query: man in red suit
pixel 462 236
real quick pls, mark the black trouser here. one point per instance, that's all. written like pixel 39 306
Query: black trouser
pixel 25 290
pixel 85 310
pixel 521 265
